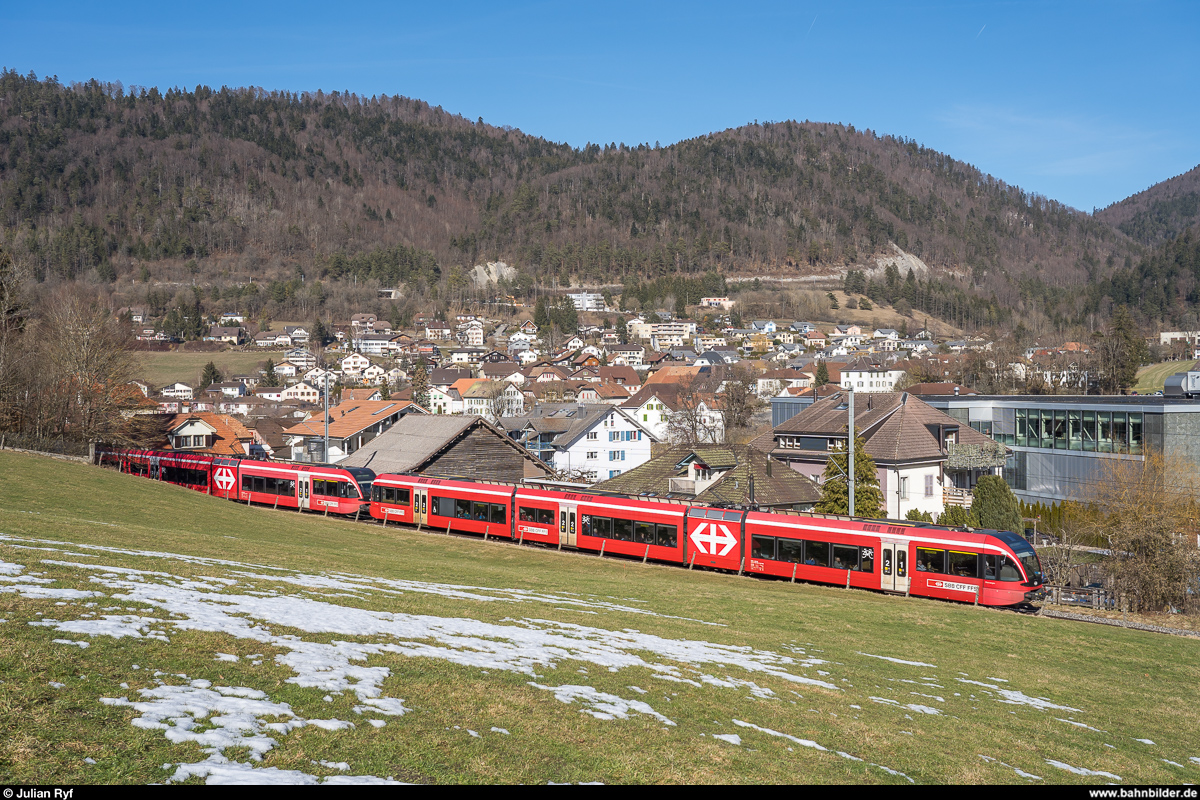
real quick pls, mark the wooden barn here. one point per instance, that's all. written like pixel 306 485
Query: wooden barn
pixel 449 447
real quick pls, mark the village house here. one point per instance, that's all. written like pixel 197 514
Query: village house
pixel 917 449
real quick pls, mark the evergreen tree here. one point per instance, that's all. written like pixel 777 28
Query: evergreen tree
pixel 385 392
pixel 622 331
pixel 270 377
pixel 210 376
pixel 996 506
pixel 420 387
pixel 835 493
pixel 541 316
pixel 319 335
pixel 958 517
pixel 822 377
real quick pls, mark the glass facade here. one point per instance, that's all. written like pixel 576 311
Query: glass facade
pixel 1080 430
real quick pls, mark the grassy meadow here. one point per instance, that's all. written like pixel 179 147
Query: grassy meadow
pixel 1151 378
pixel 163 369
pixel 526 665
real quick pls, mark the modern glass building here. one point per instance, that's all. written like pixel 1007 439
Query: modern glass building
pixel 1059 443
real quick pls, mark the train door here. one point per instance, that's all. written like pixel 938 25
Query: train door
pixel 894 566
pixel 420 506
pixel 303 489
pixel 567 515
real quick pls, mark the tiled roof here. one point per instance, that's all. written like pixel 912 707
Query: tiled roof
pixel 894 426
pixel 348 418
pixel 232 437
pixel 673 374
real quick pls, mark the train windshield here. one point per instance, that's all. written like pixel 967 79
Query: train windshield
pixel 364 478
pixel 1030 562
pixel 1025 554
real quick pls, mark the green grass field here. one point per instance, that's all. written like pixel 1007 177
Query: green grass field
pixel 521 664
pixel 1150 378
pixel 162 369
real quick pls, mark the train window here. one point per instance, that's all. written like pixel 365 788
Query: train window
pixel 499 513
pixel 462 509
pixel 246 483
pixel 602 527
pixel 287 487
pixel 964 565
pixel 524 514
pixel 866 556
pixel 931 560
pixel 623 530
pixel 845 557
pixel 318 488
pixel 732 516
pixel 790 550
pixel 442 506
pixel 1008 568
pixel 378 495
pixel 260 483
pixel 643 532
pixel 816 554
pixel 543 516
pixel 666 536
pixel 762 547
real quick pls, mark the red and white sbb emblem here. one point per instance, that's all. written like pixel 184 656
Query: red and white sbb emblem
pixel 713 539
pixel 224 479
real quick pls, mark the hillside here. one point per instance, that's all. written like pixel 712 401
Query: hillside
pixel 217 186
pixel 154 633
pixel 1159 213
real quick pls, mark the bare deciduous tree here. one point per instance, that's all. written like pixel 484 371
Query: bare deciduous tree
pixel 1147 514
pixel 89 360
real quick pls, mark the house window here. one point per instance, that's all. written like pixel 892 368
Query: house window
pixel 593 436
pixel 929 486
pixel 592 454
pixel 904 488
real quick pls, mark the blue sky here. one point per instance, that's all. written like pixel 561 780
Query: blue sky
pixel 1085 102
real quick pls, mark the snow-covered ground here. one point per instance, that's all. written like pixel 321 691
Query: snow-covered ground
pixel 337 640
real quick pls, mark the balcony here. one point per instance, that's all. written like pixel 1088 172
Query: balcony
pixel 682 486
pixel 952 496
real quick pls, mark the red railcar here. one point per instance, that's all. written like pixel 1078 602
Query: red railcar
pixel 458 506
pixel 191 470
pixel 990 567
pixel 307 487
pixel 311 487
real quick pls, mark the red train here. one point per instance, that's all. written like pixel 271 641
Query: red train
pixel 306 487
pixel 995 568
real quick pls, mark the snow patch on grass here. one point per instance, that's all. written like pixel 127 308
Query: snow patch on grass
pixel 1082 771
pixel 899 660
pixel 601 705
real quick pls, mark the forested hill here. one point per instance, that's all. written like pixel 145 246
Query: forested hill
pixel 1161 212
pixel 94 177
